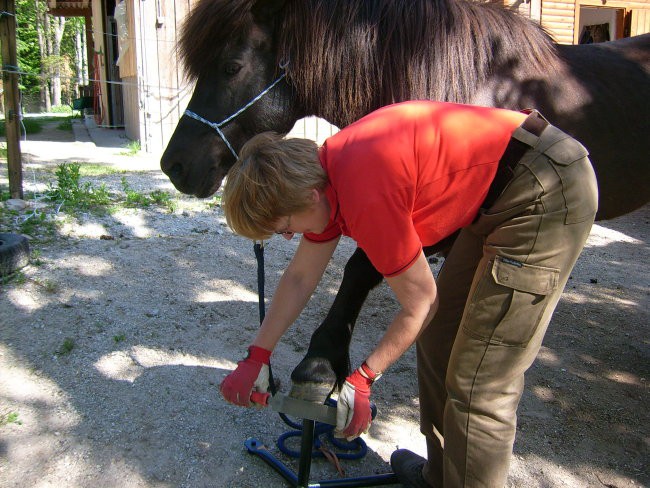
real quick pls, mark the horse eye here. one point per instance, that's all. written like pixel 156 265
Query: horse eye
pixel 232 68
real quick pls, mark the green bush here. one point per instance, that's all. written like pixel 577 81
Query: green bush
pixel 72 194
pixel 61 109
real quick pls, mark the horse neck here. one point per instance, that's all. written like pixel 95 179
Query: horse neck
pixel 364 55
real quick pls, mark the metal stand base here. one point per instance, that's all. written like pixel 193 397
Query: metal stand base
pixel 301 480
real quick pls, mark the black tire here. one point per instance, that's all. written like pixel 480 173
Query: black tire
pixel 14 253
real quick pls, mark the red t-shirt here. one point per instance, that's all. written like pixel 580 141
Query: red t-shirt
pixel 410 174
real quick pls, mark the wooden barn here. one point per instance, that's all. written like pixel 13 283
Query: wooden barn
pixel 144 91
pixel 132 51
pixel 580 21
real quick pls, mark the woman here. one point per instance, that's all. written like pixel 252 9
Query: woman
pixel 523 195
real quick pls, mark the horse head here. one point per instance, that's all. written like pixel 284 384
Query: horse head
pixel 240 90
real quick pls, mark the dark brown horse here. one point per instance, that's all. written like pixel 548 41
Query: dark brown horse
pixel 341 59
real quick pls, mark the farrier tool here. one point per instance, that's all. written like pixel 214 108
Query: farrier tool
pixel 297 408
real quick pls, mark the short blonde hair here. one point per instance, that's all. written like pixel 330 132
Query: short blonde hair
pixel 272 178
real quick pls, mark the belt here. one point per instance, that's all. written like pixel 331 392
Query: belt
pixel 534 124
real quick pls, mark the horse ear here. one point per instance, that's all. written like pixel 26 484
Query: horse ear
pixel 266 10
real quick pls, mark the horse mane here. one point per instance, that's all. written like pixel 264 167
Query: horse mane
pixel 348 57
pixel 212 23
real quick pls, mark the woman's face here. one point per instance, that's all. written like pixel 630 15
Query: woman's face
pixel 313 220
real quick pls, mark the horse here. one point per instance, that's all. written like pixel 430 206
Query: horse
pixel 263 64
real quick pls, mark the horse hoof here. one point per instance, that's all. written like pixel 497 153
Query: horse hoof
pixel 311 392
pixel 313 379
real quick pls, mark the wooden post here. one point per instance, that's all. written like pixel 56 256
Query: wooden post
pixel 12 101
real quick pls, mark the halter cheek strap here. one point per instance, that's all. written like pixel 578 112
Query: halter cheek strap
pixel 218 125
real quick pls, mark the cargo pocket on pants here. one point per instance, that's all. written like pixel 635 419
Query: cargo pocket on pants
pixel 509 302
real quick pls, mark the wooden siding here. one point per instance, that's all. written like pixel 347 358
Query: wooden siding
pixel 99 59
pixel 163 91
pixel 127 64
pixel 561 18
pixel 640 21
pixel 131 111
pixel 154 90
pixel 558 18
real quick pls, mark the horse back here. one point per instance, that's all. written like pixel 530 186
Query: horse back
pixel 607 91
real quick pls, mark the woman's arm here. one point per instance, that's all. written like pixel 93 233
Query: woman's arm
pixel 417 295
pixel 296 286
pixel 416 292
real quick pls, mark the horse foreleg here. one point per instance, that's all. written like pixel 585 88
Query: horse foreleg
pixel 327 361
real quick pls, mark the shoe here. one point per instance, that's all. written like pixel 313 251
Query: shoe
pixel 408 467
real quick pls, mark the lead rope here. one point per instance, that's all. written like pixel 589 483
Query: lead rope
pixel 357 446
pixel 258 248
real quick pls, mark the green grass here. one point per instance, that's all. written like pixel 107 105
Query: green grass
pixel 34 124
pixel 10 418
pixel 66 124
pixel 215 201
pixel 16 278
pixel 31 126
pixel 66 348
pixel 61 109
pixel 156 197
pixel 94 169
pixel 69 196
pixel 132 148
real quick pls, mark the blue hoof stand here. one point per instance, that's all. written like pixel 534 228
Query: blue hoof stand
pixel 310 434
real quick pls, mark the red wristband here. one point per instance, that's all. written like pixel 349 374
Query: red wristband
pixel 369 373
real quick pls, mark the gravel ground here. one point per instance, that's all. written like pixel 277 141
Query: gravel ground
pixel 157 307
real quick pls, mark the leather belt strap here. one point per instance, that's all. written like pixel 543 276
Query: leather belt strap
pixel 534 125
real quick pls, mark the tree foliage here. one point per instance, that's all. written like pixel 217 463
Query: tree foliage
pixel 49 59
pixel 29 56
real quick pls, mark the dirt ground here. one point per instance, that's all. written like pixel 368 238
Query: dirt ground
pixel 157 307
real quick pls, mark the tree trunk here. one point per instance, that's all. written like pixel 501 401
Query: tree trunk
pixel 42 31
pixel 57 24
pixel 79 52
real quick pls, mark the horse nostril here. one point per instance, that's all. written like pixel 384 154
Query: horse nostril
pixel 175 171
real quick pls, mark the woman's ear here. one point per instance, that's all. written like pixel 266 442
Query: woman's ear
pixel 315 196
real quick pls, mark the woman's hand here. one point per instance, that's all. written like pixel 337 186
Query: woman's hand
pixel 251 374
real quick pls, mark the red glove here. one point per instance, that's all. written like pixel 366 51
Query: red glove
pixel 252 374
pixel 353 414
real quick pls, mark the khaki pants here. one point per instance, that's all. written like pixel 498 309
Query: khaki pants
pixel 498 289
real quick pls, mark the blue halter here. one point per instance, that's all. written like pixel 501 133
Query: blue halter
pixel 217 126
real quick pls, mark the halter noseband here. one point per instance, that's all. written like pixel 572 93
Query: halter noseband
pixel 218 125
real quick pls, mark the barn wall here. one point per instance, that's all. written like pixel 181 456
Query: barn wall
pixel 131 108
pixel 561 18
pixel 162 91
pixel 558 18
pixel 99 72
pixel 640 21
pixel 129 74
